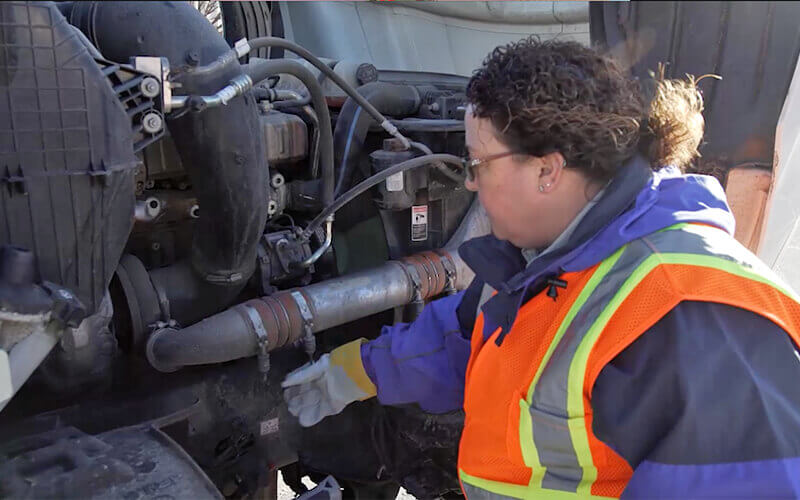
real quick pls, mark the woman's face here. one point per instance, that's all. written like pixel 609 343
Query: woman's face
pixel 506 187
pixel 529 201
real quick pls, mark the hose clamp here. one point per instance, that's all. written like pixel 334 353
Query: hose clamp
pixel 309 341
pixel 262 339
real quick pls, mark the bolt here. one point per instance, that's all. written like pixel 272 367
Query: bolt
pixel 152 123
pixel 272 208
pixel 194 212
pixel 156 246
pixel 366 73
pixel 277 181
pixel 193 57
pixel 150 87
pixel 150 184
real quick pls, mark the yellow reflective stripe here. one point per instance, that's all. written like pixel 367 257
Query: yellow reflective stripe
pixel 731 268
pixel 519 491
pixel 577 372
pixel 529 453
pixel 507 489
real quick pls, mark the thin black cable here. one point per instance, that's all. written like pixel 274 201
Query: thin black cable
pixel 374 180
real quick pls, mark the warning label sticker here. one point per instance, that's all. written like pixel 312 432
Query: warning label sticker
pixel 419 223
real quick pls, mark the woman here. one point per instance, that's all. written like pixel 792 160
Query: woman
pixel 616 339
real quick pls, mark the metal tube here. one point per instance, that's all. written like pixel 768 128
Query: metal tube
pixel 235 88
pixel 341 300
pixel 325 246
pixel 286 315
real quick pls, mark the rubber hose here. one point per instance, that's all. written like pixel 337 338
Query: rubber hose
pixel 269 41
pixel 353 123
pixel 375 180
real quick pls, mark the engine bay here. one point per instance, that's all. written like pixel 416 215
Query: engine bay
pixel 184 223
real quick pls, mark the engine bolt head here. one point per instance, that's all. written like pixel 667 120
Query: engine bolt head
pixel 193 57
pixel 150 87
pixel 152 123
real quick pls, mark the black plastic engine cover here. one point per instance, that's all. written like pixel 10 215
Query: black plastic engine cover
pixel 130 463
pixel 66 154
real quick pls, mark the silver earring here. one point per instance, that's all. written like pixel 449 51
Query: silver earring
pixel 543 187
pixel 564 163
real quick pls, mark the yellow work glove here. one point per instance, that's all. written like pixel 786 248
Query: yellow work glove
pixel 324 387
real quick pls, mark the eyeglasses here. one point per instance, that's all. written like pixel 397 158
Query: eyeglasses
pixel 471 165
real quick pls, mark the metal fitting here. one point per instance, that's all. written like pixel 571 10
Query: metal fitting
pixel 241 47
pixel 235 88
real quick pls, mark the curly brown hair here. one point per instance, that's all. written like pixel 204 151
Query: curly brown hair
pixel 547 96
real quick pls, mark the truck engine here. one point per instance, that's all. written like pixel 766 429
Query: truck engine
pixel 184 223
pixel 190 211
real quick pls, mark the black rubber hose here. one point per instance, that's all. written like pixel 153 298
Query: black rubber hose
pixel 428 125
pixel 221 148
pixel 353 123
pixel 375 180
pixel 292 103
pixel 441 167
pixel 262 69
pixel 270 41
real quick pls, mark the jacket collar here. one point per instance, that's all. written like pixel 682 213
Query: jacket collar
pixel 502 266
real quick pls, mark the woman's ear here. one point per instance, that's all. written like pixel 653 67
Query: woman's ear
pixel 552 167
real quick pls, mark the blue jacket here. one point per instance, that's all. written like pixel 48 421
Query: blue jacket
pixel 705 403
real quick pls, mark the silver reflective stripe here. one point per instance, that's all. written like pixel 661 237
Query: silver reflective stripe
pixel 548 410
pixel 549 406
pixel 475 493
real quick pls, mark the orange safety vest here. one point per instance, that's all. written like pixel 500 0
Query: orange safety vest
pixel 528 426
